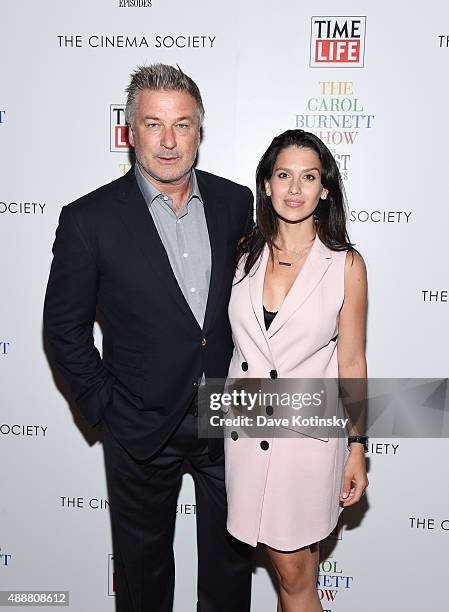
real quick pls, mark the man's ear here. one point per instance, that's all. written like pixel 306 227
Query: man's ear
pixel 130 136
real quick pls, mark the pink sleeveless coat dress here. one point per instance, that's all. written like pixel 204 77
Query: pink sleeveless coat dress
pixel 285 492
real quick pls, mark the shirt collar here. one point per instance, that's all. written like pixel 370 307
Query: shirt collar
pixel 150 192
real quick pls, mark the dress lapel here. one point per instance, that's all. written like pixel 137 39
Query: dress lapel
pixel 313 270
pixel 256 282
pixel 136 217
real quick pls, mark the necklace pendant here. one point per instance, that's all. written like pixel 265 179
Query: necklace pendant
pixel 283 263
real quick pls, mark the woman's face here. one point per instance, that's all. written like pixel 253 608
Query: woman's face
pixel 295 185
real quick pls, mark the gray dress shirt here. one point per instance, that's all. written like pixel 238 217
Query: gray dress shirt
pixel 185 238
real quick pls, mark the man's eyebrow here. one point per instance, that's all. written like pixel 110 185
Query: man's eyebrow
pixel 154 118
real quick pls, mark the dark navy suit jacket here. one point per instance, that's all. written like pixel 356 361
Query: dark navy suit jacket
pixel 108 258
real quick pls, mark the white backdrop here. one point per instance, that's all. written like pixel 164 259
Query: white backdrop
pixel 61 79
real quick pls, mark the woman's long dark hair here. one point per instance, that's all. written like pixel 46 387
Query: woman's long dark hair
pixel 330 214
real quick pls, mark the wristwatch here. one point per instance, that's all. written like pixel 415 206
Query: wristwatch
pixel 362 439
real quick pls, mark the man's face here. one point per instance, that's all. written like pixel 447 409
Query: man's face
pixel 166 134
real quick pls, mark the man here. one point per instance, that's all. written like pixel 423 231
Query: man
pixel 154 251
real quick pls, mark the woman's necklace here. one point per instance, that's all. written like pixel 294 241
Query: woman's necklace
pixel 299 254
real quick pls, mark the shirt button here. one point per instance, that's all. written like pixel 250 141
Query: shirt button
pixel 244 366
pixel 192 289
pixel 273 374
pixel 203 342
pixel 264 445
pixel 165 198
pixel 185 254
pixel 269 410
pixel 234 435
pixel 195 384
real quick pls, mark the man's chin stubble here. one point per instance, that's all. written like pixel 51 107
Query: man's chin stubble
pixel 164 179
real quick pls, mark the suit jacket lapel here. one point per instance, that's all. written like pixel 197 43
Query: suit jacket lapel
pixel 136 217
pixel 313 270
pixel 217 226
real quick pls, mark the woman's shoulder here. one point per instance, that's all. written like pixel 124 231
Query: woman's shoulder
pixel 355 271
pixel 241 271
pixel 354 261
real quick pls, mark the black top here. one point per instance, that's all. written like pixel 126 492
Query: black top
pixel 268 317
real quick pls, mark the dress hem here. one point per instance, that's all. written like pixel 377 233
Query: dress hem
pixel 290 548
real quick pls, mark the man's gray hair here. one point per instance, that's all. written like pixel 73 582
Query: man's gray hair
pixel 158 77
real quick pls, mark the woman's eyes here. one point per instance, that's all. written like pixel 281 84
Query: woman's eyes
pixel 307 177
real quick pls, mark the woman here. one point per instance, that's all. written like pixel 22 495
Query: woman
pixel 297 310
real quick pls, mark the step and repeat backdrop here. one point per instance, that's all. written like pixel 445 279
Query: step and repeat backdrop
pixel 370 79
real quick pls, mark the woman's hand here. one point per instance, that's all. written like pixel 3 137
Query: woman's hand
pixel 355 478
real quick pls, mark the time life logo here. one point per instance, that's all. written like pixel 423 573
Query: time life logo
pixel 338 42
pixel 119 142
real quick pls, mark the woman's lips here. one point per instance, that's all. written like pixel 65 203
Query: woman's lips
pixel 293 203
